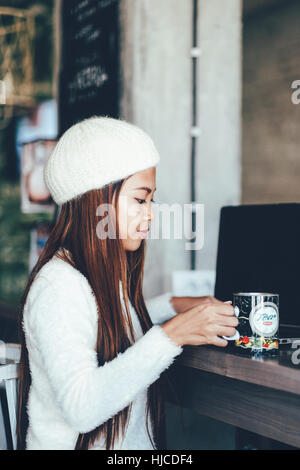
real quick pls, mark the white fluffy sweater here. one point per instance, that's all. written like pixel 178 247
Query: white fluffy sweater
pixel 70 393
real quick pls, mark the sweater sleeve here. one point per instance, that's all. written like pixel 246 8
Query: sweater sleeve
pixel 160 308
pixel 60 325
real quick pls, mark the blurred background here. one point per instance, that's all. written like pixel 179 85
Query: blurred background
pixel 215 85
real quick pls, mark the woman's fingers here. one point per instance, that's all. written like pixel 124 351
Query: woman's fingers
pixel 223 309
pixel 225 331
pixel 227 320
pixel 219 341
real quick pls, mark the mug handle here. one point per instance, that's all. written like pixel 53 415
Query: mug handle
pixel 236 336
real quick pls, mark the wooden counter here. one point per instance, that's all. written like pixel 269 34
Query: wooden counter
pixel 259 395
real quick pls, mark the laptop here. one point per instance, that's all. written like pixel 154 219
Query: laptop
pixel 259 251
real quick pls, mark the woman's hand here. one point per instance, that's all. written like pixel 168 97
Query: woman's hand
pixel 203 324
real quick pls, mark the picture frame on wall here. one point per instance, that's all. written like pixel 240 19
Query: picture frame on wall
pixel 35 196
pixel 38 237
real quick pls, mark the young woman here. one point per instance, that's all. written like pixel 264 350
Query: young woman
pixel 93 351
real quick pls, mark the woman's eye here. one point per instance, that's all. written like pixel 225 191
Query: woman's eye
pixel 141 201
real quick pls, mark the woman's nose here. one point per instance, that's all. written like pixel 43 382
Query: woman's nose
pixel 149 213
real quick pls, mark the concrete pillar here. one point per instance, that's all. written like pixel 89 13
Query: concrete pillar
pixel 156 40
pixel 218 155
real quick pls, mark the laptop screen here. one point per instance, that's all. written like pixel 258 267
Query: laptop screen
pixel 259 251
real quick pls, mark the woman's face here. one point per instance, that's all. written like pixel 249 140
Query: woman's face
pixel 135 211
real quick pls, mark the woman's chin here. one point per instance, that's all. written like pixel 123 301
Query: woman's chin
pixel 132 244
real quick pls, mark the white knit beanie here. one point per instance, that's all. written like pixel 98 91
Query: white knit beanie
pixel 94 152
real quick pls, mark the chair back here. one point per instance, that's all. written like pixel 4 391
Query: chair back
pixel 10 357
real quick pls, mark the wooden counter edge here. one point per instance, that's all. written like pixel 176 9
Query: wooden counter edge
pixel 268 373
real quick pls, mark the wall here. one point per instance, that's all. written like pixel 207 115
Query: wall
pixel 271 139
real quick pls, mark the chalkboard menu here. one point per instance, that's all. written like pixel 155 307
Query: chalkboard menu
pixel 89 68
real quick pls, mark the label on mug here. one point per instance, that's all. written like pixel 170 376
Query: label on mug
pixel 264 319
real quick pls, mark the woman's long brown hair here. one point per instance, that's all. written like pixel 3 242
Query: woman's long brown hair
pixel 104 262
